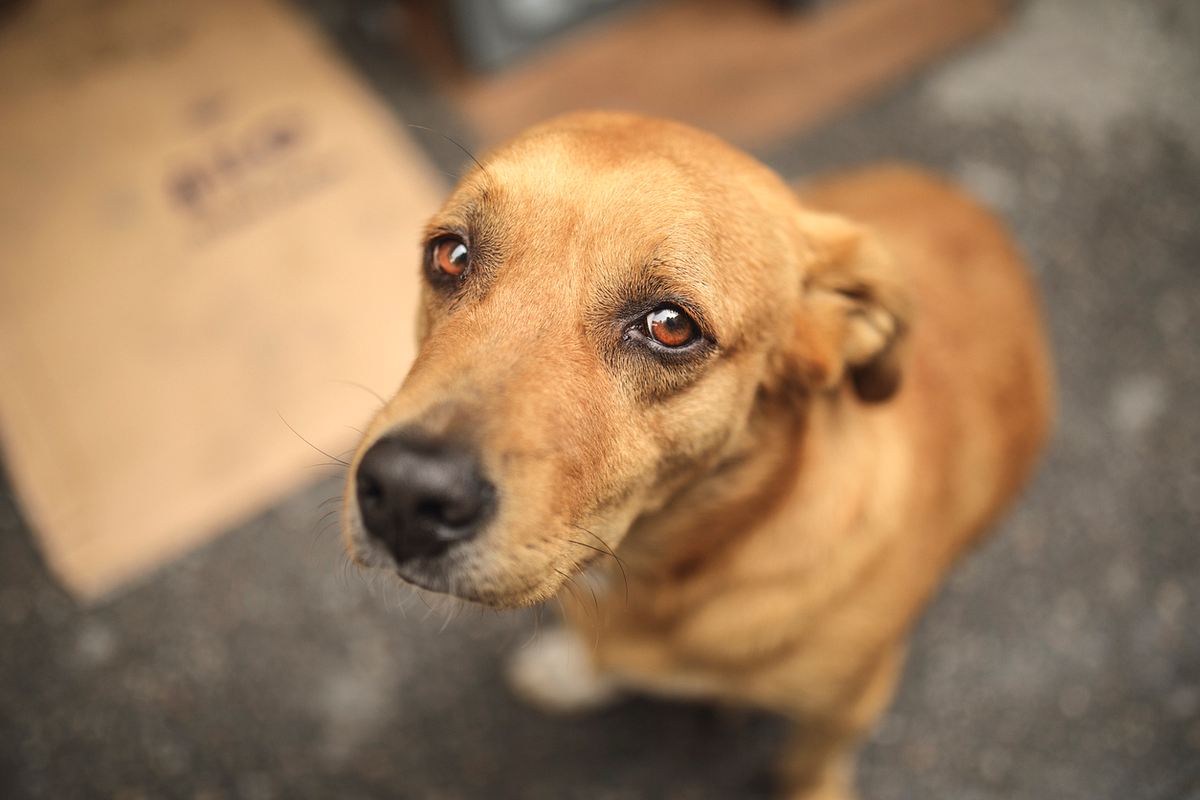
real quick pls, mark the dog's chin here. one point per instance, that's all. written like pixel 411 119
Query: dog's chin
pixel 451 576
pixel 444 579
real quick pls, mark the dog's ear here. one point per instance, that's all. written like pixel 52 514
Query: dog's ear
pixel 854 310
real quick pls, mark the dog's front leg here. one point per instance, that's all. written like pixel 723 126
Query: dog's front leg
pixel 598 652
pixel 818 761
pixel 557 672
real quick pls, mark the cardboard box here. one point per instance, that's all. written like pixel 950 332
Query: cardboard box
pixel 206 223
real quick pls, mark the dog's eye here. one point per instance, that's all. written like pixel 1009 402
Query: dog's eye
pixel 451 256
pixel 670 326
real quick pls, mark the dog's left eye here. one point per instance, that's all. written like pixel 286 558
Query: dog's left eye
pixel 450 256
pixel 671 327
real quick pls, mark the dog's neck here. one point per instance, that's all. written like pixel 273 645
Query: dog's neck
pixel 784 452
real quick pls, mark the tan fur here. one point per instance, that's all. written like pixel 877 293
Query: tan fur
pixel 782 508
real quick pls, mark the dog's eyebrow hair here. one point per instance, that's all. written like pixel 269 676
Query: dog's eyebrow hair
pixel 464 217
pixel 672 273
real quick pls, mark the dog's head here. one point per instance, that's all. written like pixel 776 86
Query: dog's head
pixel 607 302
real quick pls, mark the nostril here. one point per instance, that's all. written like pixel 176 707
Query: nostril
pixel 458 514
pixel 432 509
pixel 370 492
pixel 450 510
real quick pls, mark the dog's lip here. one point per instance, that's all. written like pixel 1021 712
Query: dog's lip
pixel 441 582
pixel 429 580
pixel 445 575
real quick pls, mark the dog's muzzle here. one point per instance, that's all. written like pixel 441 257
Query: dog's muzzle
pixel 418 496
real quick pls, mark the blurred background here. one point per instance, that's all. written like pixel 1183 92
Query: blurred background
pixel 208 216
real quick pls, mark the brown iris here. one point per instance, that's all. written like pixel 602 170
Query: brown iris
pixel 451 256
pixel 671 327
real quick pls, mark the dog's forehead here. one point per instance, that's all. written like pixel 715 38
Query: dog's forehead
pixel 564 178
pixel 605 210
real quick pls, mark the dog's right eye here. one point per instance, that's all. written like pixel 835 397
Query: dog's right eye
pixel 450 256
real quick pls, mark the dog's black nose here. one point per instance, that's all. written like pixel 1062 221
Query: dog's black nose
pixel 419 496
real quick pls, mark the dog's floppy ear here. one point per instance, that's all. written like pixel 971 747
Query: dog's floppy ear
pixel 853 312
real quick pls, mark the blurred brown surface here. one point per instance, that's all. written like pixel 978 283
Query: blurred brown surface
pixel 202 213
pixel 743 70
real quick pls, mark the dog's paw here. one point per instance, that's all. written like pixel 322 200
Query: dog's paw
pixel 555 672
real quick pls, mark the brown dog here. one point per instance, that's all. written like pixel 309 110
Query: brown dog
pixel 765 427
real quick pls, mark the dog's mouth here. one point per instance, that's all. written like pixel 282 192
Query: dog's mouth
pixel 461 582
pixel 467 571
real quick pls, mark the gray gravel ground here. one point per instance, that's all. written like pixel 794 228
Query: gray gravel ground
pixel 1061 661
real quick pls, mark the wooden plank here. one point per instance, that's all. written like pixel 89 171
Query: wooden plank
pixel 743 70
